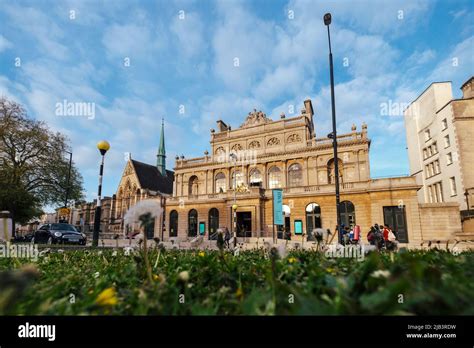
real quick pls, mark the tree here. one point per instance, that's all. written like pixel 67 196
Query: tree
pixel 33 165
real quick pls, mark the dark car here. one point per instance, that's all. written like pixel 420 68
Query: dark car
pixel 58 234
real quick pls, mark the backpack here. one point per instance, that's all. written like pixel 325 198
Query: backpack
pixel 391 236
pixel 370 236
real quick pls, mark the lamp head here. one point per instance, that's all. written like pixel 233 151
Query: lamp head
pixel 327 18
pixel 103 147
pixel 234 206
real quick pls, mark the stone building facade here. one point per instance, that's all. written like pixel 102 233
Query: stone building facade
pixel 245 164
pixel 440 142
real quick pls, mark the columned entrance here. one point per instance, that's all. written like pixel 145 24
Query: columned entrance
pixel 244 224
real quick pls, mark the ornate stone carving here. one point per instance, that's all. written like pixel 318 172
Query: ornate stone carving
pixel 128 170
pixel 237 147
pixel 220 150
pixel 293 138
pixel 273 142
pixel 254 145
pixel 242 188
pixel 254 118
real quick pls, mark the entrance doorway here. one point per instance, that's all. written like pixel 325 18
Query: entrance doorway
pixel 192 223
pixel 244 224
pixel 395 217
pixel 213 223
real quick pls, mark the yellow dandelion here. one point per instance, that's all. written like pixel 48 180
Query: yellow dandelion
pixel 239 293
pixel 107 297
pixel 292 260
pixel 202 253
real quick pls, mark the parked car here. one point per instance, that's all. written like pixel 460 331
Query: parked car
pixel 60 233
pixel 25 238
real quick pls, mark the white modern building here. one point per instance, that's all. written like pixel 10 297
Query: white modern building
pixel 440 142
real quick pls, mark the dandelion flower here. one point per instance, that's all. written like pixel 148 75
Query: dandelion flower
pixel 159 277
pixel 107 297
pixel 202 253
pixel 292 260
pixel 239 293
pixel 183 276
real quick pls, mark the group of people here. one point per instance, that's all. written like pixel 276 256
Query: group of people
pixel 382 237
pixel 350 234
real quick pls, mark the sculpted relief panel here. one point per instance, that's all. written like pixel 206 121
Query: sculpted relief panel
pixel 237 147
pixel 293 138
pixel 254 145
pixel 273 142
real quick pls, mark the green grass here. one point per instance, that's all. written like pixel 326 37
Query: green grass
pixel 433 283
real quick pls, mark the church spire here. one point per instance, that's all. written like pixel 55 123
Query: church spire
pixel 161 156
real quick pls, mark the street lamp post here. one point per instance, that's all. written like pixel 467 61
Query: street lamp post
pixel 103 147
pixel 333 135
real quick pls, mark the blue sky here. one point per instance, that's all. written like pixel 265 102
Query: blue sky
pixel 182 56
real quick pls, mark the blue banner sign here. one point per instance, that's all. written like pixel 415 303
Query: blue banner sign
pixel 277 207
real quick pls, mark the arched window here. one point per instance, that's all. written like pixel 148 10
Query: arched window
pixel 237 178
pixel 213 223
pixel 220 183
pixel 331 171
pixel 193 186
pixel 295 175
pixel 173 223
pixel 192 223
pixel 347 210
pixel 274 177
pixel 313 217
pixel 255 177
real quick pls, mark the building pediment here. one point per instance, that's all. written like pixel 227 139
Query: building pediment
pixel 255 118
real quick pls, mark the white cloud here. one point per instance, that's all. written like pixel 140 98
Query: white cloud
pixel 129 40
pixel 189 31
pixel 4 43
pixel 457 65
pixel 241 39
pixel 46 33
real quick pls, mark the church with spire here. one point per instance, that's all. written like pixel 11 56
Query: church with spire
pixel 139 181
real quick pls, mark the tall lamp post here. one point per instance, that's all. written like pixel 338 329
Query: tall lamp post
pixel 333 135
pixel 103 147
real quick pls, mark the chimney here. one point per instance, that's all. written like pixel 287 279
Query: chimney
pixel 468 88
pixel 308 107
pixel 221 126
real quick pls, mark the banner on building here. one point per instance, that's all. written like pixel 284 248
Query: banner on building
pixel 277 207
